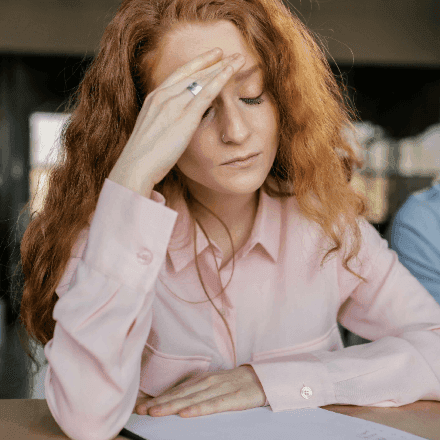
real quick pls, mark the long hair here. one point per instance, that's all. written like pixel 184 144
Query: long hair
pixel 313 158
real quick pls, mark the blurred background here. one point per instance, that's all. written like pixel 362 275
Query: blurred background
pixel 387 54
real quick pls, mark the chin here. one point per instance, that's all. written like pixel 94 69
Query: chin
pixel 244 186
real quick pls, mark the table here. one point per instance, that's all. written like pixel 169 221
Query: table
pixel 31 419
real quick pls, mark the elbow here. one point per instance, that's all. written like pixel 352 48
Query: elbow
pixel 88 421
pixel 82 427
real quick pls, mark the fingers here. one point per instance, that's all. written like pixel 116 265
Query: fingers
pixel 195 65
pixel 197 105
pixel 180 392
pixel 231 390
pixel 227 402
pixel 141 399
pixel 173 406
pixel 202 69
pixel 203 402
pixel 215 68
pixel 210 401
pixel 159 97
pixel 221 392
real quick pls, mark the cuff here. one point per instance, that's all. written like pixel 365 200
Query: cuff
pixel 295 381
pixel 129 235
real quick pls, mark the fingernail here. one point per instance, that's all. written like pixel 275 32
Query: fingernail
pixel 216 51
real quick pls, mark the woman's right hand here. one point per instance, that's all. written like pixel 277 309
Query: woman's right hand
pixel 169 117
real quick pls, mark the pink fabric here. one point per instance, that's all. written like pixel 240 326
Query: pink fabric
pixel 119 329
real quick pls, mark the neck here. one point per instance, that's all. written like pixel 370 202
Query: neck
pixel 237 211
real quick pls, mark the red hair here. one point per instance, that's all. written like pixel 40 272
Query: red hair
pixel 313 158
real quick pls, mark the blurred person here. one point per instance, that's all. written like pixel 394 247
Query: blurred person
pixel 415 236
pixel 166 274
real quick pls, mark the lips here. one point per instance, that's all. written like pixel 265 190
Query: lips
pixel 241 159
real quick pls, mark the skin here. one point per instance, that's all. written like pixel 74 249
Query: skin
pixel 207 393
pixel 230 193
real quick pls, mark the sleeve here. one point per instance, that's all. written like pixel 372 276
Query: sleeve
pixel 400 366
pixel 415 236
pixel 104 313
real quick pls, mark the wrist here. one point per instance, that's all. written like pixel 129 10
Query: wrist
pixel 251 369
pixel 132 179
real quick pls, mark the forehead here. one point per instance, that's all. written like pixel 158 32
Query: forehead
pixel 188 41
pixel 243 75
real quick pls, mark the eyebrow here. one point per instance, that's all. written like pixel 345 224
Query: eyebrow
pixel 244 74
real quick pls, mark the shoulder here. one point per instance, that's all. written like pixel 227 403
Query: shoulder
pixel 421 210
pixel 372 243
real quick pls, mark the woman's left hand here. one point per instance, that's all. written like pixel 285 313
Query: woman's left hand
pixel 208 393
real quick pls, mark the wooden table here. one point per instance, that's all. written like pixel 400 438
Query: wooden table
pixel 31 419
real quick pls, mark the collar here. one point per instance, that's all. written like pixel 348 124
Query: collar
pixel 266 231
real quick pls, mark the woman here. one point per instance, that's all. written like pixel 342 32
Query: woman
pixel 164 281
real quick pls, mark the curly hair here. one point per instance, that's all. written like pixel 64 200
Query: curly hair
pixel 314 158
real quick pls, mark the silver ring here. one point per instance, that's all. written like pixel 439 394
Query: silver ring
pixel 194 88
pixel 223 139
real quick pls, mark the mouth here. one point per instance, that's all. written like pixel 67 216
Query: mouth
pixel 248 162
pixel 242 159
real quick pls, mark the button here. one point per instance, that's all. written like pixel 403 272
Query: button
pixel 306 392
pixel 145 256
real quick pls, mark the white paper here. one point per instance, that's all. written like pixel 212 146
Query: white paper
pixel 264 424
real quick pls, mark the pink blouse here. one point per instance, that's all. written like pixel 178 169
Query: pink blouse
pixel 122 325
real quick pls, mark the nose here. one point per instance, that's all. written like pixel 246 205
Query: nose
pixel 234 127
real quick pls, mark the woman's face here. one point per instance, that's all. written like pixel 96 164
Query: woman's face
pixel 247 127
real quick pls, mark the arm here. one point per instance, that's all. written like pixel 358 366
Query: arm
pixel 104 314
pixel 400 366
pixel 415 236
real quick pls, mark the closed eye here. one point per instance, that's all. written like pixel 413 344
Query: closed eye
pixel 249 101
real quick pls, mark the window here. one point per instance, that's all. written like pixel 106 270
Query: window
pixel 45 149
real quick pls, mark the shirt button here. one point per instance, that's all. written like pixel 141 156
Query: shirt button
pixel 306 392
pixel 145 256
